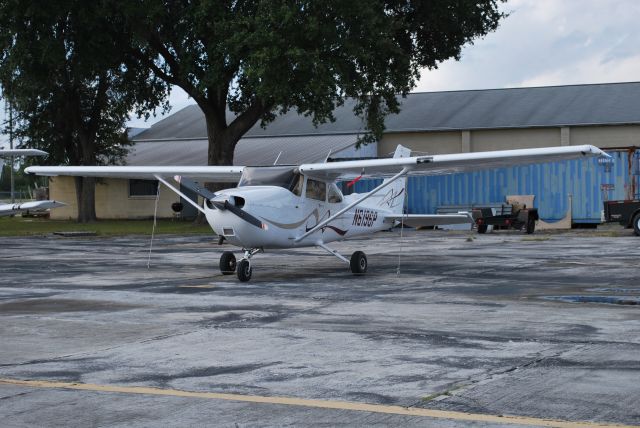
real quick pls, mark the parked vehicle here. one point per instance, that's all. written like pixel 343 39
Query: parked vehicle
pixel 627 213
pixel 507 216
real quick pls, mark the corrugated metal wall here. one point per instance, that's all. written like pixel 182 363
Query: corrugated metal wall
pixel 590 182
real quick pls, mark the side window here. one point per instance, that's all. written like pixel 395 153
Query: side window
pixel 316 190
pixel 297 188
pixel 334 194
pixel 145 188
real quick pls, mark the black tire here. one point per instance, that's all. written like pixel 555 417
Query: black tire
pixel 358 263
pixel 244 270
pixel 636 224
pixel 531 225
pixel 482 228
pixel 227 263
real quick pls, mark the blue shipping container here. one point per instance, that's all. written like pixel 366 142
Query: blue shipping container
pixel 589 182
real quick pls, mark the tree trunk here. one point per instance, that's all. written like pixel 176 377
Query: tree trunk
pixel 86 197
pixel 220 152
pixel 221 145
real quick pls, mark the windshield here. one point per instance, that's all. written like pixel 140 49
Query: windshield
pixel 281 176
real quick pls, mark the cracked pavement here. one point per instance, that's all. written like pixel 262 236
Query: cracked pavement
pixel 472 323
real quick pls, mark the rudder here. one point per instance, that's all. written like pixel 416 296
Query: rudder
pixel 394 195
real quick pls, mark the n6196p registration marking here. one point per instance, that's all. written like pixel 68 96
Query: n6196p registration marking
pixel 364 218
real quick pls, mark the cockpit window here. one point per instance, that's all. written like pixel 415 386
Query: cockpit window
pixel 297 188
pixel 281 176
pixel 334 195
pixel 316 189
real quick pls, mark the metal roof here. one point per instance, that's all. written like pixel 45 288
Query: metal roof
pixel 249 151
pixel 575 105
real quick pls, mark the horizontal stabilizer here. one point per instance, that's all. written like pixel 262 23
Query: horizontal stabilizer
pixel 426 220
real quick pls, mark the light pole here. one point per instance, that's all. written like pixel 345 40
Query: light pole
pixel 11 159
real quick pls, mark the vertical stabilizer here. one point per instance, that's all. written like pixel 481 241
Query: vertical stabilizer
pixel 393 196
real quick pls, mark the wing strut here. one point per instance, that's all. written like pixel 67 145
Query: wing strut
pixel 185 197
pixel 353 204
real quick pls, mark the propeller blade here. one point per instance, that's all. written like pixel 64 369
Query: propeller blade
pixel 218 204
pixel 242 214
pixel 195 187
pixel 221 205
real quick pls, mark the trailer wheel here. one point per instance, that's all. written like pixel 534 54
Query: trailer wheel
pixel 531 225
pixel 636 224
pixel 482 228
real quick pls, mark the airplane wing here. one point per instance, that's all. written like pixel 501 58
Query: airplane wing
pixel 426 220
pixel 22 152
pixel 445 164
pixel 34 206
pixel 221 174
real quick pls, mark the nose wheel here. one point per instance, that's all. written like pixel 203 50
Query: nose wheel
pixel 244 270
pixel 227 263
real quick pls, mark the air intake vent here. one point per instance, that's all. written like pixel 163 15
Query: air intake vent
pixel 239 202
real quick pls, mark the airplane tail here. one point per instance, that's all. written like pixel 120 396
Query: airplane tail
pixel 395 194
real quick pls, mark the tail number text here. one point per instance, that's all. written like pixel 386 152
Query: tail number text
pixel 364 218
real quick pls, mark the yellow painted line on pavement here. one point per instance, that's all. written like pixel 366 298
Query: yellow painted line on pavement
pixel 321 404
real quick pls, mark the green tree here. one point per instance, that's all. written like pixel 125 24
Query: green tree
pixel 261 58
pixel 64 68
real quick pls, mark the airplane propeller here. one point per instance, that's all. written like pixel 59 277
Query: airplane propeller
pixel 225 205
pixel 222 205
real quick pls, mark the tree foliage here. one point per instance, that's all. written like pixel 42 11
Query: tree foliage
pixel 64 69
pixel 261 58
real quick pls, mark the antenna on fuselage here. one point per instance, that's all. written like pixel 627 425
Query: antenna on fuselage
pixel 327 158
pixel 276 161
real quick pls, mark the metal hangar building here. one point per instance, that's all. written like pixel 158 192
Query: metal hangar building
pixel 605 115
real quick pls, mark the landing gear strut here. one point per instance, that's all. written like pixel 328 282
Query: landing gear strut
pixel 358 262
pixel 244 266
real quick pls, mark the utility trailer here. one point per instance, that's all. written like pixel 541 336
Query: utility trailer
pixel 507 216
pixel 627 213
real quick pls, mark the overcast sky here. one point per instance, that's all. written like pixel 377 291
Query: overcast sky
pixel 540 43
pixel 549 42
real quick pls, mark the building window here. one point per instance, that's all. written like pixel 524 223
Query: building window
pixel 146 188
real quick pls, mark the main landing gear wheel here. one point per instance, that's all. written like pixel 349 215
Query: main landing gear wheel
pixel 227 263
pixel 244 270
pixel 636 224
pixel 358 263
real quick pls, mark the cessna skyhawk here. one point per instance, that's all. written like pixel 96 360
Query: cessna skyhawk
pixel 32 206
pixel 301 205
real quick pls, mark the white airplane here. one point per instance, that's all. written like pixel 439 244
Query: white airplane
pixel 21 152
pixel 25 207
pixel 30 207
pixel 301 206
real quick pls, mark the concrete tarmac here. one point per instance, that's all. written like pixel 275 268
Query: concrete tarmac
pixel 474 330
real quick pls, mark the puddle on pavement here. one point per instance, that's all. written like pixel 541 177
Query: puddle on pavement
pixel 610 300
pixel 614 290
